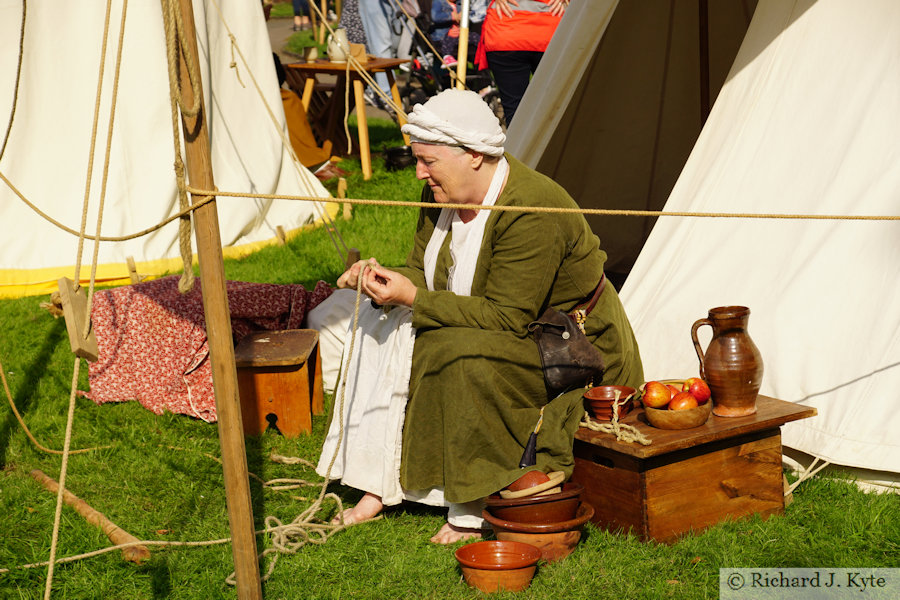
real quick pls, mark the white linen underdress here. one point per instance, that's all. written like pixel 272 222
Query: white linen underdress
pixel 376 385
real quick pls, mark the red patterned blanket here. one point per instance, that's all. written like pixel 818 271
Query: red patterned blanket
pixel 152 339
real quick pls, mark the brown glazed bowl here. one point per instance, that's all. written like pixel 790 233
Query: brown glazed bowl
pixel 551 508
pixel 583 514
pixel 528 480
pixel 495 565
pixel 555 540
pixel 598 401
pixel 663 418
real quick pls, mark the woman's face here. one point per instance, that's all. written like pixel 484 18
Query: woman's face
pixel 446 169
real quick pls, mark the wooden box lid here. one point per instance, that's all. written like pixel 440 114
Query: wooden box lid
pixel 276 348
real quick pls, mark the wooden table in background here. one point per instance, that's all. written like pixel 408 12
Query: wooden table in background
pixel 325 105
pixel 686 480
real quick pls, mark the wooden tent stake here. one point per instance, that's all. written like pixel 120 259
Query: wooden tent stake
pixel 218 330
pixel 74 305
pixel 341 194
pixel 117 535
pixel 353 255
pixel 280 234
pixel 132 270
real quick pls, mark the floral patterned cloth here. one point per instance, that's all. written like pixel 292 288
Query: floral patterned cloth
pixel 152 339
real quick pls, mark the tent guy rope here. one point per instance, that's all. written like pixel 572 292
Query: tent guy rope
pixel 70 417
pixel 174 27
pixel 208 196
pixel 12 112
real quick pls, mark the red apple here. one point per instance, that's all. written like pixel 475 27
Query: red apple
pixel 673 388
pixel 656 394
pixel 698 389
pixel 683 401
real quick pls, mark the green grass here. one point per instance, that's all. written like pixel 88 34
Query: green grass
pixel 282 10
pixel 301 40
pixel 159 482
pixel 381 231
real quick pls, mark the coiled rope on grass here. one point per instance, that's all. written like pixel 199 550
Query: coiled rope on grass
pixel 289 538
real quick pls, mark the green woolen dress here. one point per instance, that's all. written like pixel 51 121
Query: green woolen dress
pixel 476 386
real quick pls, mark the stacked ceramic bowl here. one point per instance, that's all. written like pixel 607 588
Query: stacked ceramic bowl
pixel 600 400
pixel 551 522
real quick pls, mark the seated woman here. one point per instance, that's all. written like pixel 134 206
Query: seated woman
pixel 444 383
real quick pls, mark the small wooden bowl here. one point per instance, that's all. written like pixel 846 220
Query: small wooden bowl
pixel 528 480
pixel 491 566
pixel 606 394
pixel 605 414
pixel 598 401
pixel 663 418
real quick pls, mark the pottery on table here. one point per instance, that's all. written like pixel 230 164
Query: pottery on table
pixel 599 400
pixel 338 46
pixel 732 365
pixel 555 540
pixel 494 565
pixel 663 418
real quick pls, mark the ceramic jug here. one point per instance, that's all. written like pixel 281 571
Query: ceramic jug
pixel 338 46
pixel 731 365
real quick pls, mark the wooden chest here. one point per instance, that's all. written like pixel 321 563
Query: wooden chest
pixel 686 480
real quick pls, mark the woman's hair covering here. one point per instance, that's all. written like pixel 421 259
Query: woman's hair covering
pixel 456 118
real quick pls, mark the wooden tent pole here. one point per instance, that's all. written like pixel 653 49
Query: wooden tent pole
pixel 218 331
pixel 462 54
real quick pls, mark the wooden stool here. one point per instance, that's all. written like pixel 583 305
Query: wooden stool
pixel 280 381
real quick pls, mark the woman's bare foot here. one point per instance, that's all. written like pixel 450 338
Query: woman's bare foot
pixel 450 534
pixel 368 507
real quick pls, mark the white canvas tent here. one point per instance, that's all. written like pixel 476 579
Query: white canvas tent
pixel 47 154
pixel 807 122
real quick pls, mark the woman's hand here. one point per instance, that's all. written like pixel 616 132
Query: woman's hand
pixel 382 285
pixel 350 277
pixel 388 287
pixel 558 7
pixel 503 9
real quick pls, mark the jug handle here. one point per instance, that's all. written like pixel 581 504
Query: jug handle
pixel 697 325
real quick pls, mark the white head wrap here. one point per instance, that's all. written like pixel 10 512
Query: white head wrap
pixel 456 118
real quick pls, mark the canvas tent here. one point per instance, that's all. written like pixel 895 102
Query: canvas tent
pixel 631 82
pixel 807 122
pixel 47 154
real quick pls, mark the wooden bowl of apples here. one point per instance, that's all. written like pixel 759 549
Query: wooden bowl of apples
pixel 676 404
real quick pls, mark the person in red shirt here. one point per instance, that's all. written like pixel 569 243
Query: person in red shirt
pixel 514 37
